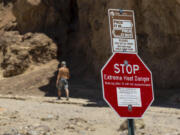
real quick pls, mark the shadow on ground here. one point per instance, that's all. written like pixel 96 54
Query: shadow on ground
pixel 91 89
pixel 167 98
pixel 79 88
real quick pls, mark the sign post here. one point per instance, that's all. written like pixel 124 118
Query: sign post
pixel 126 80
pixel 130 127
pixel 127 86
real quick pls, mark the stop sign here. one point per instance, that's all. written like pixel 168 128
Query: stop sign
pixel 127 85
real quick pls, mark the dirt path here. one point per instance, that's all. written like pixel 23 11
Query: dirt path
pixel 48 116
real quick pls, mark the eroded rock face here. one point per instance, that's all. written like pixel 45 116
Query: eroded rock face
pixel 158 32
pixel 159 39
pixel 47 16
pixel 18 52
pixel 80 29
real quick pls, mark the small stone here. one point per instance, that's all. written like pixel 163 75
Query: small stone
pixel 49 117
pixel 42 128
pixel 70 127
pixel 78 123
pixel 32 133
pixel 13 131
pixel 123 126
pixel 57 117
pixel 139 124
pixel 47 133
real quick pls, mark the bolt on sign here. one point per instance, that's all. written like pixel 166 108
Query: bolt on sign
pixel 122 30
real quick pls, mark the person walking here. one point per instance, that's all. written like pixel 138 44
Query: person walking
pixel 62 80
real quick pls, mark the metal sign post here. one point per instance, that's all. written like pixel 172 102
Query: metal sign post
pixel 126 80
pixel 130 127
pixel 130 122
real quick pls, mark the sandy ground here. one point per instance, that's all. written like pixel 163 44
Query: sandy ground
pixel 75 117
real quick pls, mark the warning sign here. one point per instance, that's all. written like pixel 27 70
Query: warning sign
pixel 122 30
pixel 127 85
pixel 129 96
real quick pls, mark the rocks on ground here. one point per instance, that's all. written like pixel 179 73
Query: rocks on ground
pixel 78 124
pixel 138 124
pixel 30 130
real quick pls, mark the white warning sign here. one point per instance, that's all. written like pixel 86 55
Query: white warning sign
pixel 122 31
pixel 129 96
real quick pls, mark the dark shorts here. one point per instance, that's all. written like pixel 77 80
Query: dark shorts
pixel 63 84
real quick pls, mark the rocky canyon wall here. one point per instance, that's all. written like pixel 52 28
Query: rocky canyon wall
pixel 158 34
pixel 80 30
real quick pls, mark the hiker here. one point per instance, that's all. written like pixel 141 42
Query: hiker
pixel 62 80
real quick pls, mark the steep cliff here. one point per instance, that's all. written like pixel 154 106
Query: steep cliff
pixel 80 30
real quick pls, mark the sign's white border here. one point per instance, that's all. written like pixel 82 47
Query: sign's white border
pixel 103 86
pixel 136 50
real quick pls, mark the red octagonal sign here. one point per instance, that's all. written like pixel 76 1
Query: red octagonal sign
pixel 127 85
